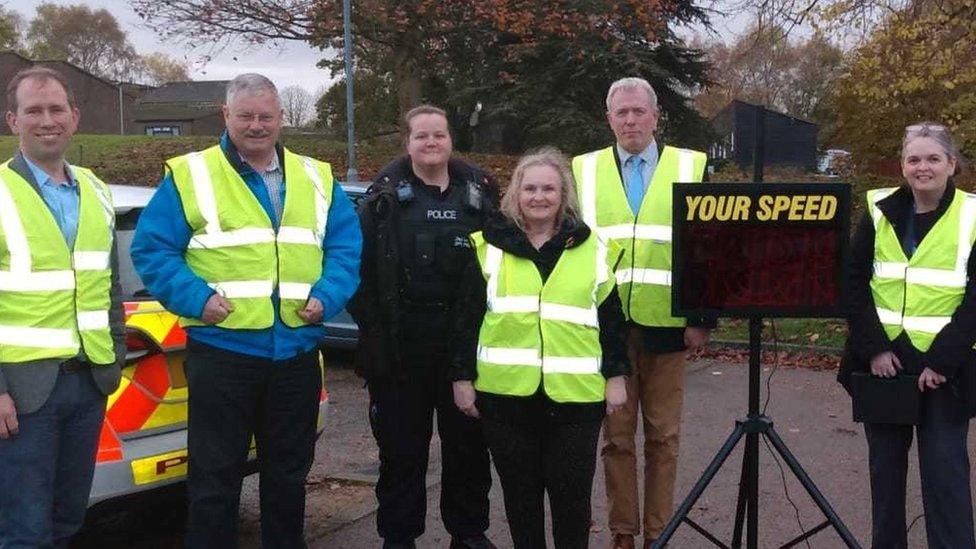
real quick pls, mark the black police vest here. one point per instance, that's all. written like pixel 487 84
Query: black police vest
pixel 433 231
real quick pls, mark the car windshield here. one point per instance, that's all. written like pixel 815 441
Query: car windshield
pixel 125 229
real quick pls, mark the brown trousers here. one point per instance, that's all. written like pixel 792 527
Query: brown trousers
pixel 657 387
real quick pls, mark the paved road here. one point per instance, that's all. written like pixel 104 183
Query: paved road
pixel 810 412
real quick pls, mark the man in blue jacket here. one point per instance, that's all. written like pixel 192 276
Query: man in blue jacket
pixel 253 246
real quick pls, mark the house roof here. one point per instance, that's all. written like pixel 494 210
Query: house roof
pixel 199 92
pixel 733 103
pixel 126 86
pixel 172 112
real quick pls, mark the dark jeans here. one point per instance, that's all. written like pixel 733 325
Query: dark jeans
pixel 538 457
pixel 944 466
pixel 235 396
pixel 401 416
pixel 46 470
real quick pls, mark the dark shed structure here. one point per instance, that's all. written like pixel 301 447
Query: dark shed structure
pixel 790 141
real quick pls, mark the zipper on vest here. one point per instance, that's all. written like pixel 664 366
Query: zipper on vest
pixel 542 343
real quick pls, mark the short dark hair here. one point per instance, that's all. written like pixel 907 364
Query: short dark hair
pixel 41 74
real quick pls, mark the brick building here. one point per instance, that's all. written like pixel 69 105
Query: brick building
pixel 97 98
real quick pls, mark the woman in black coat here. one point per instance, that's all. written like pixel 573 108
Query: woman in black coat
pixel 912 311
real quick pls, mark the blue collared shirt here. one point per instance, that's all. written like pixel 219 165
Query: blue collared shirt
pixel 158 255
pixel 650 156
pixel 61 198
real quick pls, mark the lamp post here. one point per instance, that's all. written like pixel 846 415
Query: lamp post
pixel 352 176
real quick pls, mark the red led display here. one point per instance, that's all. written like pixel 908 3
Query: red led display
pixel 787 266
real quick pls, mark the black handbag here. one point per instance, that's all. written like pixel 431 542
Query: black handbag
pixel 895 400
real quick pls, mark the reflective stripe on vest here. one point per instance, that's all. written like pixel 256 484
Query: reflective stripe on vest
pixel 919 295
pixel 54 302
pixel 236 249
pixel 644 274
pixel 548 333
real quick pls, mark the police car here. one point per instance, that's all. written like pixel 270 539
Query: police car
pixel 142 444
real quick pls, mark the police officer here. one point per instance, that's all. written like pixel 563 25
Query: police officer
pixel 416 219
pixel 61 324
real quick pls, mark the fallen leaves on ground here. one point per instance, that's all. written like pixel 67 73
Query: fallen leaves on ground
pixel 784 359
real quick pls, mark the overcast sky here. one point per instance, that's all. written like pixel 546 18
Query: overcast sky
pixel 292 63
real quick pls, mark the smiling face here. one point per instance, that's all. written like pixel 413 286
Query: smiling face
pixel 429 143
pixel 44 120
pixel 633 119
pixel 926 166
pixel 254 122
pixel 540 195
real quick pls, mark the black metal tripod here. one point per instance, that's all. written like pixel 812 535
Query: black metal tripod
pixel 752 426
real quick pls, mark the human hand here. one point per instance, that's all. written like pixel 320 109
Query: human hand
pixel 216 310
pixel 464 397
pixel 885 364
pixel 616 393
pixel 696 338
pixel 8 417
pixel 312 313
pixel 929 380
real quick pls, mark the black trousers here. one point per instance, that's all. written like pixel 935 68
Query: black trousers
pixel 401 416
pixel 232 397
pixel 540 456
pixel 944 467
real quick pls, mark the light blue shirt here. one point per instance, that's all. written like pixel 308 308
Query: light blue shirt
pixel 62 199
pixel 650 156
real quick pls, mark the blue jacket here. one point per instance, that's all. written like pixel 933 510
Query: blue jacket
pixel 161 239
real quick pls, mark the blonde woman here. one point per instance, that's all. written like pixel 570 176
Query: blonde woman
pixel 540 357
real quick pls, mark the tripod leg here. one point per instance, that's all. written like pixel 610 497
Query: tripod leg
pixel 752 515
pixel 812 489
pixel 740 505
pixel 700 486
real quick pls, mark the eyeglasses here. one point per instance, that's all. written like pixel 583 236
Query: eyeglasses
pixel 920 127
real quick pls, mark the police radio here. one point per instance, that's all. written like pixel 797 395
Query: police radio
pixel 404 191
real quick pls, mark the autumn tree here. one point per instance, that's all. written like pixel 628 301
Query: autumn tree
pixel 402 38
pixel 159 68
pixel 375 105
pixel 919 65
pixel 768 67
pixel 89 39
pixel 297 103
pixel 11 24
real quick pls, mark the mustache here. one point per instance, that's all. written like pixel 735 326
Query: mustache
pixel 257 134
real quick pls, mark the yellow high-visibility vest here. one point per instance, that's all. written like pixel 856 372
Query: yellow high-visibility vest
pixel 54 301
pixel 919 295
pixel 549 333
pixel 644 274
pixel 234 246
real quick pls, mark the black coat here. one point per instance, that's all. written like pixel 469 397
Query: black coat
pixel 376 305
pixel 472 306
pixel 951 353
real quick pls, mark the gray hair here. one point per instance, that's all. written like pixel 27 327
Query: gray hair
pixel 938 133
pixel 553 158
pixel 632 83
pixel 251 83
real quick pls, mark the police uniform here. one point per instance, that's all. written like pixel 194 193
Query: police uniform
pixel 419 251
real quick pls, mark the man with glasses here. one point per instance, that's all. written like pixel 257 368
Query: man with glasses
pixel 253 246
pixel 61 322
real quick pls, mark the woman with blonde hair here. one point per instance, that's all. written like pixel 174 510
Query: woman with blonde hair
pixel 540 354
